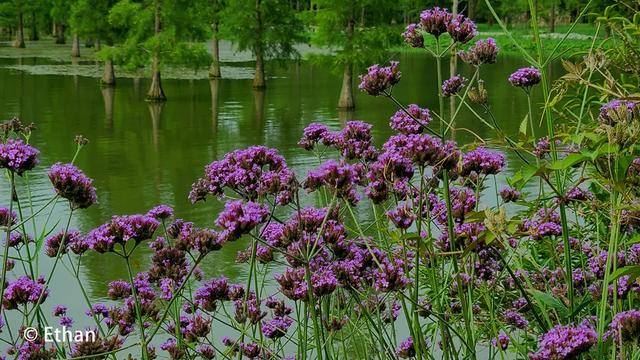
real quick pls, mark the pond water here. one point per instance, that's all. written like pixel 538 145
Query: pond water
pixel 141 155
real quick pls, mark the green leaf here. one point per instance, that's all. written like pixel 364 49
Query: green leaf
pixel 569 161
pixel 633 272
pixel 550 301
pixel 523 125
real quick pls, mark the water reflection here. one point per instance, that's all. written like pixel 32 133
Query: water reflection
pixel 142 154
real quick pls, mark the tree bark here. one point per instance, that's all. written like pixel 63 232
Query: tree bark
pixel 472 9
pixel 156 93
pixel 19 43
pixel 75 46
pixel 34 28
pixel 60 34
pixel 98 45
pixel 214 70
pixel 108 77
pixel 346 100
pixel 258 78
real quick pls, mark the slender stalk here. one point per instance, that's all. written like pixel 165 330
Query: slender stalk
pixel 134 292
pixel 5 256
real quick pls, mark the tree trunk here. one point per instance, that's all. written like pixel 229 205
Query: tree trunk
pixel 156 93
pixel 215 89
pixel 60 34
pixel 472 9
pixel 19 43
pixel 75 46
pixel 214 70
pixel 98 45
pixel 34 28
pixel 346 94
pixel 107 95
pixel 258 79
pixel 108 77
pixel 552 19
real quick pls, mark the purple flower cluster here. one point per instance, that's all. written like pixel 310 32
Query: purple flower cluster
pixel 461 29
pixel 482 162
pixel 616 111
pixel 61 242
pixel 406 350
pixel 7 218
pixel 545 222
pixel 379 79
pixel 390 172
pixel 435 21
pixel 217 290
pixel 252 172
pixel 18 157
pixel 402 216
pixel 453 85
pixel 239 218
pixel 565 342
pixel 525 78
pixel 413 36
pixel 161 212
pixel 501 341
pixel 625 327
pixel 482 52
pixel 316 133
pixel 120 230
pixel 410 121
pixel 24 290
pixel 509 194
pixel 543 147
pixel 340 178
pixel 72 184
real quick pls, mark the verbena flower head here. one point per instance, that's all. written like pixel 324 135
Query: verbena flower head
pixel 406 123
pixel 341 178
pixel 120 230
pixel 402 216
pixel 239 218
pixel 24 290
pixel 252 172
pixel 354 140
pixel 379 79
pixel 72 184
pixel 625 327
pixel 276 327
pixel 161 212
pixel 453 85
pixel 60 242
pixel 509 194
pixel 413 36
pixel 462 29
pixel 482 52
pixel 482 161
pixel 316 133
pixel 501 341
pixel 435 21
pixel 616 111
pixel 7 218
pixel 17 156
pixel 543 147
pixel 525 78
pixel 565 342
pixel 406 350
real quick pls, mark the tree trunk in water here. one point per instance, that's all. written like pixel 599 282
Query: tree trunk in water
pixel 98 45
pixel 155 91
pixel 215 87
pixel 107 95
pixel 258 79
pixel 346 94
pixel 75 46
pixel 60 34
pixel 19 43
pixel 552 19
pixel 108 77
pixel 214 70
pixel 34 28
